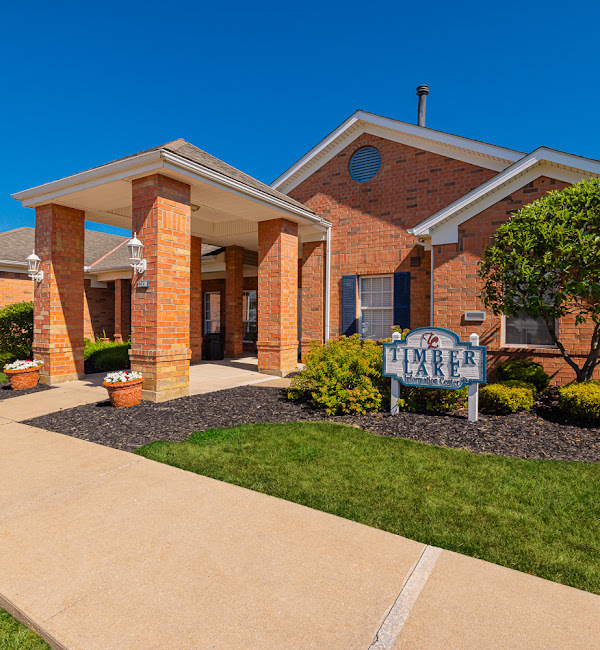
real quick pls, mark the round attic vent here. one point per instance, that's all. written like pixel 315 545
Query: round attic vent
pixel 365 164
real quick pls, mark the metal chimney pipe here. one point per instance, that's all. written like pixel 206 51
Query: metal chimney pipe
pixel 422 92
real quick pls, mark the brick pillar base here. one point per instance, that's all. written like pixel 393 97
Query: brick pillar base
pixel 160 313
pixel 59 298
pixel 196 299
pixel 277 297
pixel 313 287
pixel 234 301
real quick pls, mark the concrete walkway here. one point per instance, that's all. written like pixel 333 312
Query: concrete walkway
pixel 100 548
pixel 205 377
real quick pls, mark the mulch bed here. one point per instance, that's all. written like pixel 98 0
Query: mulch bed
pixel 536 434
pixel 6 391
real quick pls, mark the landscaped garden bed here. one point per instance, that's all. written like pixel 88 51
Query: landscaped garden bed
pixel 7 392
pixel 539 433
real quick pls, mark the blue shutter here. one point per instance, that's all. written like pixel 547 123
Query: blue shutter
pixel 402 299
pixel 348 305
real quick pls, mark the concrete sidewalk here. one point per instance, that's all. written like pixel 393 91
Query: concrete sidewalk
pixel 104 549
pixel 205 377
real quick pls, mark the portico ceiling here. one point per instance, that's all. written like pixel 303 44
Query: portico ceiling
pixel 226 203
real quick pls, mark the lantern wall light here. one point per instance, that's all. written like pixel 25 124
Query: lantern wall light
pixel 138 263
pixel 34 272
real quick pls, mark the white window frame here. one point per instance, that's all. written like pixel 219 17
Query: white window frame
pixel 245 317
pixel 504 344
pixel 204 319
pixel 359 301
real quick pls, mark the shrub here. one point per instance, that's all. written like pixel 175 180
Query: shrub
pixel 431 400
pixel 106 356
pixel 504 398
pixel 515 383
pixel 343 376
pixel 524 370
pixel 16 330
pixel 581 400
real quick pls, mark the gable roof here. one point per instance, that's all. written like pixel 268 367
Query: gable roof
pixel 442 226
pixel 472 151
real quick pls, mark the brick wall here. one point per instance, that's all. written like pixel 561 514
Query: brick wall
pixel 99 310
pixel 15 287
pixel 370 220
pixel 457 288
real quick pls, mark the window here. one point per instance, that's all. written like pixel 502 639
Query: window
pixel 212 312
pixel 250 320
pixel 376 306
pixel 523 331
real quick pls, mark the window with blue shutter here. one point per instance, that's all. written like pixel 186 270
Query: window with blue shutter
pixel 348 305
pixel 402 299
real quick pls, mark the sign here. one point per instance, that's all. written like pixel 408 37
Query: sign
pixel 434 357
pixel 142 284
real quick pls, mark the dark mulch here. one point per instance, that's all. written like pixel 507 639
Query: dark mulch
pixel 6 391
pixel 536 434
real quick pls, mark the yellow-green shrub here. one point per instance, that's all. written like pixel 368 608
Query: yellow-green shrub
pixel 523 370
pixel 507 399
pixel 343 376
pixel 581 400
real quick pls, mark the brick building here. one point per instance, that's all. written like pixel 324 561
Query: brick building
pixel 382 223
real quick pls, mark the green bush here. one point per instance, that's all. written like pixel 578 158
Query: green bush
pixel 581 400
pixel 515 383
pixel 16 330
pixel 343 376
pixel 106 356
pixel 524 370
pixel 431 400
pixel 503 398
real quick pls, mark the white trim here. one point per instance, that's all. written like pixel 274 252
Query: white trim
pixel 443 225
pixel 153 161
pixel 326 322
pixel 525 346
pixel 12 266
pixel 483 154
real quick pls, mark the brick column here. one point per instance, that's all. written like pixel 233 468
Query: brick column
pixel 160 314
pixel 313 287
pixel 234 301
pixel 122 309
pixel 196 299
pixel 59 298
pixel 277 297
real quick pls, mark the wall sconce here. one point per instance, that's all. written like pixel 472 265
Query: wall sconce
pixel 138 263
pixel 33 262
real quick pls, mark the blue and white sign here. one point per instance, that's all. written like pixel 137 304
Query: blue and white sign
pixel 434 357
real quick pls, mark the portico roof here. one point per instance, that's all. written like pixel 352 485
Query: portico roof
pixel 227 204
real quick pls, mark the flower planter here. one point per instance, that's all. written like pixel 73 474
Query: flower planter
pixel 21 379
pixel 125 393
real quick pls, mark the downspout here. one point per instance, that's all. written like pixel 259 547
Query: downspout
pixel 327 297
pixel 431 323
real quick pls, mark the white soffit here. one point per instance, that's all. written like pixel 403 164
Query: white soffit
pixel 445 144
pixel 442 227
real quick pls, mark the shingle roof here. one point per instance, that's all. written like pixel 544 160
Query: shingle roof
pixel 189 151
pixel 102 250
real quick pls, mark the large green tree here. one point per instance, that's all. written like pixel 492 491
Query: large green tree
pixel 545 261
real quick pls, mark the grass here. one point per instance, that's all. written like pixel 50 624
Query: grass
pixel 14 636
pixel 541 517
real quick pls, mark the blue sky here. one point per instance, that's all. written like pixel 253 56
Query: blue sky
pixel 258 84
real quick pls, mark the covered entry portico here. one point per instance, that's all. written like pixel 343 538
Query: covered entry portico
pixel 175 197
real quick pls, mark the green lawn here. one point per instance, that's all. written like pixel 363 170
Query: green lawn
pixel 536 516
pixel 14 636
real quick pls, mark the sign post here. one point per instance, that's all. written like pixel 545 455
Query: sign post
pixel 435 357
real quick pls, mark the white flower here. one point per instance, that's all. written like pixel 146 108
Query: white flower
pixel 21 364
pixel 122 376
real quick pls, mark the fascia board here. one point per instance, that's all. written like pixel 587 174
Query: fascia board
pixel 446 231
pixel 120 170
pixel 438 142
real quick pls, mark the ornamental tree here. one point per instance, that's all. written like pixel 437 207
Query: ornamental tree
pixel 545 261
